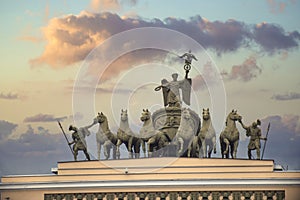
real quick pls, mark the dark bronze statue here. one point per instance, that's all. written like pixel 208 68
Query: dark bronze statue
pixel 254 132
pixel 229 138
pixel 188 57
pixel 79 142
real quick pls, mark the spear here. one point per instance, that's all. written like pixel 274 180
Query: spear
pixel 62 130
pixel 262 156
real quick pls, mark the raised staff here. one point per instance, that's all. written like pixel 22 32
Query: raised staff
pixel 62 130
pixel 254 132
pixel 268 129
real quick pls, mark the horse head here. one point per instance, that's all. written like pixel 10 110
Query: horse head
pixel 205 114
pixel 124 115
pixel 234 116
pixel 146 115
pixel 100 118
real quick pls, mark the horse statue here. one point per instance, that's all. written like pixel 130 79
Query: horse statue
pixel 230 136
pixel 154 139
pixel 207 135
pixel 147 131
pixel 185 133
pixel 125 135
pixel 106 138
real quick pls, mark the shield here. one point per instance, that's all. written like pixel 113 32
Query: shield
pixel 186 90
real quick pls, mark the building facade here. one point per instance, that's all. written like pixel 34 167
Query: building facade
pixel 156 178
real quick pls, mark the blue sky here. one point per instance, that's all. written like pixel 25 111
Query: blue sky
pixel 253 44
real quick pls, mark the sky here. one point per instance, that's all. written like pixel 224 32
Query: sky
pixel 66 60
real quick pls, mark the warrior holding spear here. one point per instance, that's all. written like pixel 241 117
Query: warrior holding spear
pixel 254 132
pixel 78 137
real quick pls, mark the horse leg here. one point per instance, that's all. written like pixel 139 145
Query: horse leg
pixel 204 148
pixel 150 143
pixel 194 147
pixel 214 142
pixel 210 149
pixel 222 144
pixel 226 151
pixel 129 147
pixel 137 147
pixel 119 142
pixel 114 147
pixel 234 149
pixel 106 150
pixel 144 147
pixel 180 142
pixel 98 149
pixel 189 151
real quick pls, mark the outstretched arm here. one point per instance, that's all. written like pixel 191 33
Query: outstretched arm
pixel 243 125
pixel 89 126
pixel 195 58
pixel 182 55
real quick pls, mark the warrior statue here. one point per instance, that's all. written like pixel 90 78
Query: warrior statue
pixel 79 142
pixel 254 132
pixel 171 91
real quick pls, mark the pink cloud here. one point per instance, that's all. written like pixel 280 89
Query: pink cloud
pixel 98 5
pixel 245 71
pixel 71 38
pixel 43 118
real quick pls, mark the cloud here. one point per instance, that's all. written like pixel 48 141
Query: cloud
pixel 101 5
pixel 276 6
pixel 273 37
pixel 283 139
pixel 9 96
pixel 210 76
pixel 6 129
pixel 36 151
pixel 245 71
pixel 30 38
pixel 70 38
pixel 43 118
pixel 286 97
pixel 98 5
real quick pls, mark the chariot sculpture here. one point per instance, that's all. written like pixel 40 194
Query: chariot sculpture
pixel 174 130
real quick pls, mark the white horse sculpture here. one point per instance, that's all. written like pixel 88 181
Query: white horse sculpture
pixel 105 138
pixel 128 137
pixel 185 133
pixel 207 135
